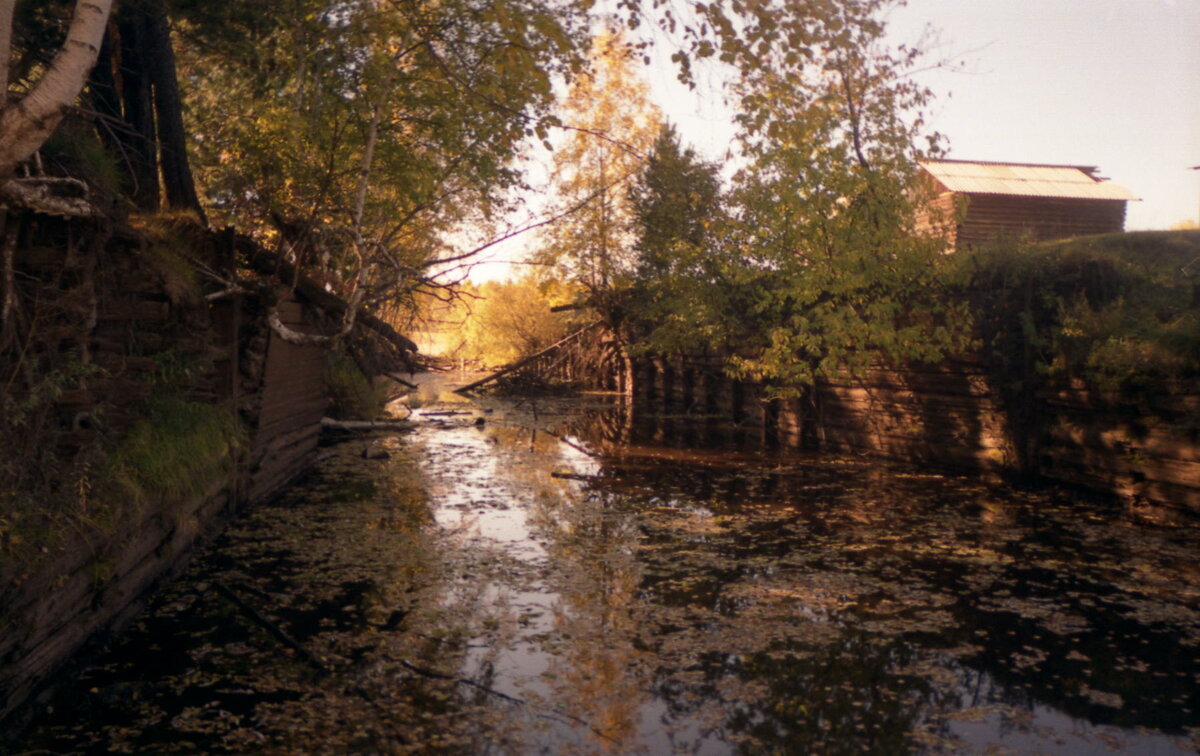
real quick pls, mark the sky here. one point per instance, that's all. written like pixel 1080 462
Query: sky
pixel 1107 83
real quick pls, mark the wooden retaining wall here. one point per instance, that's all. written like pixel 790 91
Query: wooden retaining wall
pixel 89 589
pixel 289 400
pixel 94 589
pixel 953 416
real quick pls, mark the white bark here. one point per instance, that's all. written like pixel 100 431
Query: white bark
pixel 293 336
pixel 38 193
pixel 26 123
pixel 364 174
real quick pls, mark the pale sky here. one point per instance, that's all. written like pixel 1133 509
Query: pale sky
pixel 1109 83
pixel 1112 83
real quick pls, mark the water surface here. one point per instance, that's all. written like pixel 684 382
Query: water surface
pixel 565 576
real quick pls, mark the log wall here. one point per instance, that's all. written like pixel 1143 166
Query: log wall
pixel 992 216
pixel 94 589
pixel 975 219
pixel 291 400
pixel 953 416
pixel 87 590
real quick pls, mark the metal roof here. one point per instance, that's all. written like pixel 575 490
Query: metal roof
pixel 1025 180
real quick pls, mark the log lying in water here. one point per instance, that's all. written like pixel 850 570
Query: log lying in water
pixel 275 630
pixel 329 425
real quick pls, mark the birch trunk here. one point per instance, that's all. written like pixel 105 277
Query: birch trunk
pixel 25 124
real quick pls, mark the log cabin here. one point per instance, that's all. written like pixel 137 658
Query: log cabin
pixel 975 202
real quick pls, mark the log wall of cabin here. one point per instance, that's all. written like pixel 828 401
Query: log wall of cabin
pixel 937 218
pixel 95 583
pixel 292 401
pixel 992 216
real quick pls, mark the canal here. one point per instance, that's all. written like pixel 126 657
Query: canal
pixel 566 575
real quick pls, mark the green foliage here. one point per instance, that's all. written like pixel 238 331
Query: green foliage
pixel 680 294
pixel 510 320
pixel 817 270
pixel 36 482
pixel 1115 311
pixel 297 109
pixel 676 202
pixel 176 450
pixel 352 395
pixel 74 150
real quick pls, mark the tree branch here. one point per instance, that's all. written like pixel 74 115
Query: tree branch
pixel 25 124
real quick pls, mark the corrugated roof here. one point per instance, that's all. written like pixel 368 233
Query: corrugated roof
pixel 1025 180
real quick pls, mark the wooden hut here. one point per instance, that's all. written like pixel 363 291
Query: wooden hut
pixel 975 202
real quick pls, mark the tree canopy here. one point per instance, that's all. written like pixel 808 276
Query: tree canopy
pixel 613 125
pixel 373 143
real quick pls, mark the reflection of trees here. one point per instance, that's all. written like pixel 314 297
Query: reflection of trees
pixel 605 428
pixel 591 538
pixel 844 697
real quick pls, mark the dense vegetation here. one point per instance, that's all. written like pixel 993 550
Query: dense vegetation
pixel 374 147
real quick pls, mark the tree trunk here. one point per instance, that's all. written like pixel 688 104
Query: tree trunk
pixel 106 100
pixel 178 183
pixel 27 123
pixel 137 97
pixel 7 8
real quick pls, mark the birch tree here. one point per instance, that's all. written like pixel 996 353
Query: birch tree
pixel 26 123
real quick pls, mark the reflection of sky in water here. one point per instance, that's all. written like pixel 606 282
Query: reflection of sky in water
pixel 468 490
pixel 497 482
pixel 678 596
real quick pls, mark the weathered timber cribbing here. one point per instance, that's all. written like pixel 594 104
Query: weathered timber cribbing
pixel 953 415
pixel 519 364
pixel 590 358
pixel 119 300
pixel 291 402
pixel 99 584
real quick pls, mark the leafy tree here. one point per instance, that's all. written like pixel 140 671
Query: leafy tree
pixel 511 320
pixel 679 224
pixel 613 125
pixel 676 201
pixel 826 271
pixel 357 136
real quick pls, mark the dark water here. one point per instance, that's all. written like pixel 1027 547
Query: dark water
pixel 569 578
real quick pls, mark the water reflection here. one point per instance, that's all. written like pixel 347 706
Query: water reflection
pixel 564 576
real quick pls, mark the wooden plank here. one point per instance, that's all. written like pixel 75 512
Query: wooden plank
pixel 527 361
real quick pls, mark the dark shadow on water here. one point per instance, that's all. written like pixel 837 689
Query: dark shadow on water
pixel 579 576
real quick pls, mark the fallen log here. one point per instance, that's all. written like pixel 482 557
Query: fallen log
pixel 363 426
pixel 574 476
pixel 268 263
pixel 401 381
pixel 522 363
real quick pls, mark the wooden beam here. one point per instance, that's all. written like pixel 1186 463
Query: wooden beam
pixel 522 363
